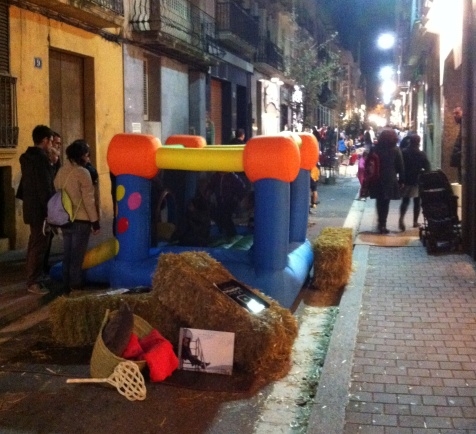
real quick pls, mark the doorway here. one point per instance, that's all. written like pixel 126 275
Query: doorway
pixel 242 109
pixel 7 210
pixel 67 100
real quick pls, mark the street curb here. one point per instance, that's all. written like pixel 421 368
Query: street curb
pixel 354 218
pixel 328 412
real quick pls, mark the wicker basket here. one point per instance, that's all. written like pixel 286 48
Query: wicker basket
pixel 104 361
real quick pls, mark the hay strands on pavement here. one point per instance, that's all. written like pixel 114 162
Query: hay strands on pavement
pixel 126 378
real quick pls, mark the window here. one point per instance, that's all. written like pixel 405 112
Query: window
pixel 8 96
pixel 8 112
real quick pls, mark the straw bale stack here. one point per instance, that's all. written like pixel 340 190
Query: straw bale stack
pixel 332 259
pixel 76 321
pixel 263 342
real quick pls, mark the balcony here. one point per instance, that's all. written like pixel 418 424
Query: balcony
pixel 420 41
pixel 176 28
pixel 8 112
pixel 97 13
pixel 269 59
pixel 236 29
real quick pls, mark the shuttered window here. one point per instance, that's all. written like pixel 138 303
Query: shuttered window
pixel 4 40
pixel 8 97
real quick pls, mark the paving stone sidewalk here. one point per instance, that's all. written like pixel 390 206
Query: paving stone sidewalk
pixel 402 357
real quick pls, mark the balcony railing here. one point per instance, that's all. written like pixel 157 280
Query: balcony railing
pixel 97 13
pixel 270 54
pixel 116 6
pixel 178 19
pixel 8 112
pixel 236 28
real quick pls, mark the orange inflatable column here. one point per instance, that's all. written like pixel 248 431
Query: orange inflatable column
pixel 300 188
pixel 131 158
pixel 271 163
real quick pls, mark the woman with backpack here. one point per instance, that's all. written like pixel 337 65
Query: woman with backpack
pixel 75 179
pixel 388 176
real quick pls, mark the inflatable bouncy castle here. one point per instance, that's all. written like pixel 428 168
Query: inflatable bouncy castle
pixel 279 257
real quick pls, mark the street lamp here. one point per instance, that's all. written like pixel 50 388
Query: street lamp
pixel 386 41
pixel 386 72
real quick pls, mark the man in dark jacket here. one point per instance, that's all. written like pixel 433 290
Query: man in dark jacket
pixel 415 162
pixel 455 159
pixel 36 188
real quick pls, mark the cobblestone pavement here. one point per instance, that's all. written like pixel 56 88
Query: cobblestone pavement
pixel 411 367
pixel 415 358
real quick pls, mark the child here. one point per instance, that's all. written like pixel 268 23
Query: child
pixel 361 171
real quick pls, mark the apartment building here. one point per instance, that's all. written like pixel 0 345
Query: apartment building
pixel 94 68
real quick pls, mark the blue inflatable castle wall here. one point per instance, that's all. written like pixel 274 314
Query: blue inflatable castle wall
pixel 280 258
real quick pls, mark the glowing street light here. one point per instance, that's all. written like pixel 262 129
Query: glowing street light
pixel 386 72
pixel 388 90
pixel 386 41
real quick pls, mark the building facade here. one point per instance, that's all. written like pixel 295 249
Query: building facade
pixel 437 63
pixel 95 68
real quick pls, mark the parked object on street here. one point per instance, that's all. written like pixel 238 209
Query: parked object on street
pixel 440 212
pixel 277 166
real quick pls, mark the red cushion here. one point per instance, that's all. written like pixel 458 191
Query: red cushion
pixel 161 361
pixel 133 350
pixel 151 340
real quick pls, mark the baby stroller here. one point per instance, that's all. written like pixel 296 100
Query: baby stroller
pixel 441 226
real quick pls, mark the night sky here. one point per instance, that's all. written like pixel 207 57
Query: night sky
pixel 359 22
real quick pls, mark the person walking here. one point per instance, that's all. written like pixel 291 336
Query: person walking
pixel 35 189
pixel 455 158
pixel 415 162
pixel 315 174
pixel 75 178
pixel 361 159
pixel 390 177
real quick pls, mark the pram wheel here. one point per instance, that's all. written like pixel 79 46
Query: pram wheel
pixel 431 246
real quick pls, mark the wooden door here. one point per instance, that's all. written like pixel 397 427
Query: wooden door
pixel 67 96
pixel 216 109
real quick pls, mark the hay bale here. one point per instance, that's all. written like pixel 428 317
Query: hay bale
pixel 332 259
pixel 263 342
pixel 75 321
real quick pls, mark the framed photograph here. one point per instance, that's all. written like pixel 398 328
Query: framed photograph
pixel 207 351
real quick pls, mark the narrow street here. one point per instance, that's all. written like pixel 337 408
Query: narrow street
pixel 35 398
